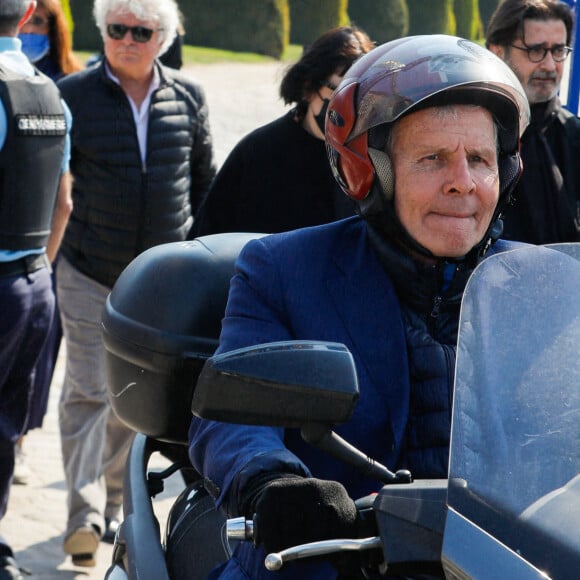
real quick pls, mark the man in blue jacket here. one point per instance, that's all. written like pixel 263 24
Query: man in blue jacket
pixel 423 134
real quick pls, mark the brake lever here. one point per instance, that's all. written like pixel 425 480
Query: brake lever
pixel 276 560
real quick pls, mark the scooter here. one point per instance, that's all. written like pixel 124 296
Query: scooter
pixel 510 506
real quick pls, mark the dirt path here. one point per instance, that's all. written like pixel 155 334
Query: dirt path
pixel 241 97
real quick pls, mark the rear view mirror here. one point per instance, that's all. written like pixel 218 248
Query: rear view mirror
pixel 285 384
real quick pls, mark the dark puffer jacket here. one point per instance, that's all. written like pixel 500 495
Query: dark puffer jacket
pixel 430 298
pixel 121 205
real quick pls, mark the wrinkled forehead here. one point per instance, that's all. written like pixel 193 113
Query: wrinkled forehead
pixel 538 31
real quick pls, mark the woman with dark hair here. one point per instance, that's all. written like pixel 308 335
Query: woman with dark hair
pixel 278 177
pixel 46 41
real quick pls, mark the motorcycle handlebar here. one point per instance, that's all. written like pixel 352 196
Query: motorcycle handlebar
pixel 240 529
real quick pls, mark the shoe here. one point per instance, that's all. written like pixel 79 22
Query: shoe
pixel 22 472
pixel 111 527
pixel 82 545
pixel 9 569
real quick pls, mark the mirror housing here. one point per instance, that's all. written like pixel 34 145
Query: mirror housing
pixel 284 384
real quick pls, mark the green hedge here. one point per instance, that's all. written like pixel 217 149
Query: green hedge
pixel 260 27
pixel 468 19
pixel 67 14
pixel 432 17
pixel 267 26
pixel 311 18
pixel 86 35
pixel 382 20
pixel 486 9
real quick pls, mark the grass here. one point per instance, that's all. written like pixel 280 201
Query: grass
pixel 202 55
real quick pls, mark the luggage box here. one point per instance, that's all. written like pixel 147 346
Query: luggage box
pixel 161 322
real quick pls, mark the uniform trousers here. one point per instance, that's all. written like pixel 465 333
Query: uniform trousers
pixel 26 311
pixel 94 442
pixel 44 370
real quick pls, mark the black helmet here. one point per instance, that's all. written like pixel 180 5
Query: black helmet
pixel 403 76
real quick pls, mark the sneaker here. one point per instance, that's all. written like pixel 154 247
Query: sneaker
pixel 22 472
pixel 82 545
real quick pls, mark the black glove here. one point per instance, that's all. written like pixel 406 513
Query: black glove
pixel 296 510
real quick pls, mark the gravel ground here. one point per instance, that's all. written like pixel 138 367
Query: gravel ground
pixel 241 97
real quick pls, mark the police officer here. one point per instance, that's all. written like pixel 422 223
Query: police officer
pixel 35 204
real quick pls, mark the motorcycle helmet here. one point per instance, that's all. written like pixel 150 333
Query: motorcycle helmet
pixel 406 75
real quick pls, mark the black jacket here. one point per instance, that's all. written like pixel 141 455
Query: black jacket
pixel 121 205
pixel 277 178
pixel 547 197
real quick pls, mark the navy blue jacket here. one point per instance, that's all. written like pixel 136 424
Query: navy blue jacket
pixel 320 283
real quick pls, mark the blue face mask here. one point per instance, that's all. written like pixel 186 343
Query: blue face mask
pixel 34 46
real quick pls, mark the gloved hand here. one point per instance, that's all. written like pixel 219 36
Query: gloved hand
pixel 296 510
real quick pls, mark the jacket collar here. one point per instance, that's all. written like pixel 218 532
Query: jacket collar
pixel 159 74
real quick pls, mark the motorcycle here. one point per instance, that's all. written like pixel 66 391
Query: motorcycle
pixel 510 506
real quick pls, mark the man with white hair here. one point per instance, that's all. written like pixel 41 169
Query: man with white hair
pixel 142 160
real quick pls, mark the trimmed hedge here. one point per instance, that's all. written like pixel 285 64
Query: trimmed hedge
pixel 260 27
pixel 309 19
pixel 382 20
pixel 86 35
pixel 468 19
pixel 486 9
pixel 67 14
pixel 432 17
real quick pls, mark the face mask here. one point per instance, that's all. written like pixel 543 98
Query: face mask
pixel 34 46
pixel 321 117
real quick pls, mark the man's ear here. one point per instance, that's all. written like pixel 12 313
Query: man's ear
pixel 497 49
pixel 29 11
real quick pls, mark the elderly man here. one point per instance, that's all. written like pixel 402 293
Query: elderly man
pixel 423 133
pixel 533 37
pixel 35 205
pixel 141 160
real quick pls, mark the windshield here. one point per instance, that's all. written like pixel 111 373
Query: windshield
pixel 515 444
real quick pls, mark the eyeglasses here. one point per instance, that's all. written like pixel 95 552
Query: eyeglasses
pixel 537 53
pixel 138 33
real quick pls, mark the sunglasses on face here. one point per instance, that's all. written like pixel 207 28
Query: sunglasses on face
pixel 138 33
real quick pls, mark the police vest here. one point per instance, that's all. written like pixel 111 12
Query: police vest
pixel 30 160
